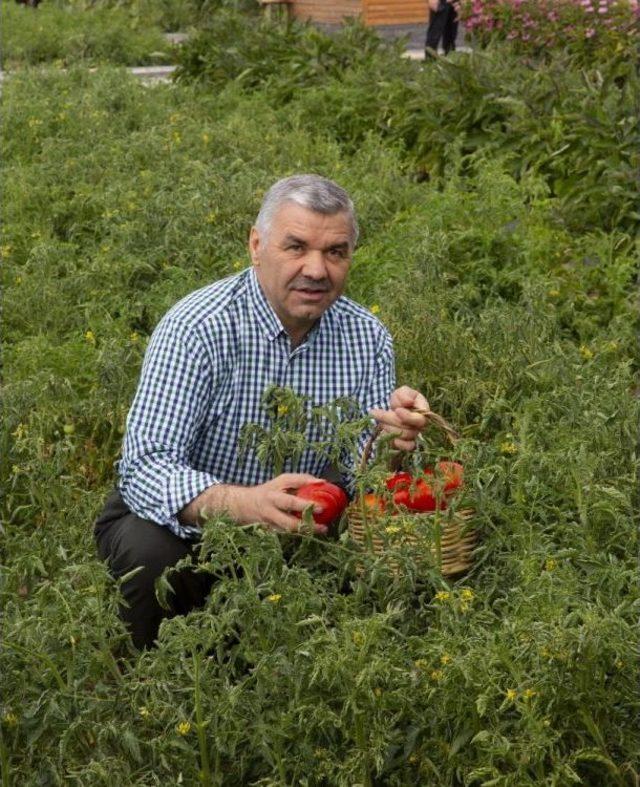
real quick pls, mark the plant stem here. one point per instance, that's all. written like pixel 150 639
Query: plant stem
pixel 202 740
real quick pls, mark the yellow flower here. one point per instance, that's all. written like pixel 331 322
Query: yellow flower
pixel 19 432
pixel 511 694
pixel 420 663
pixel 145 713
pixel 529 693
pixel 549 564
pixel 238 264
pixel 18 280
pixel 612 346
pixel 184 728
pixel 619 663
pixel 205 138
pixel 211 217
pixel 467 594
pixel 445 658
pixel 374 309
pixel 437 674
pixel 413 759
pixel 546 722
pixel 443 595
pixel 134 337
pixel 553 293
pixel 585 352
pixel 10 719
pixel 274 598
pixel 377 691
pixel 5 251
pixel 90 337
pixel 508 447
pixel 283 409
pixel 15 469
pixel 176 137
pixel 391 529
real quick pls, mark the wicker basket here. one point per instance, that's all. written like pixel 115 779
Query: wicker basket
pixel 443 539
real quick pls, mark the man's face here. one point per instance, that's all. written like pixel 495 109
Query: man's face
pixel 302 264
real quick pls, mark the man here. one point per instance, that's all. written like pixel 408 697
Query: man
pixel 443 25
pixel 283 322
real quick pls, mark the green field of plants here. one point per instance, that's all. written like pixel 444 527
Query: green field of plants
pixel 497 194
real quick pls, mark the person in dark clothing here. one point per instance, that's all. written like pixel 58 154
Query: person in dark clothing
pixel 443 25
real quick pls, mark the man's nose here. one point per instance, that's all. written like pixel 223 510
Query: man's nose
pixel 314 264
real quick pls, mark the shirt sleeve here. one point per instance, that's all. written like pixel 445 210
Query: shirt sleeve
pixel 168 410
pixel 376 395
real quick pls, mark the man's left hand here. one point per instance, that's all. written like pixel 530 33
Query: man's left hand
pixel 402 419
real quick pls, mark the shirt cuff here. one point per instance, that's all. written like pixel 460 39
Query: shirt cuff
pixel 182 487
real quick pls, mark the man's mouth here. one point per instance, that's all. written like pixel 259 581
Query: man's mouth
pixel 310 294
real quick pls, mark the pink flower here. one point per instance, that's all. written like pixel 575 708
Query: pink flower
pixel 590 33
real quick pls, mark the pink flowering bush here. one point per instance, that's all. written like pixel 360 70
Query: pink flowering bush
pixel 589 29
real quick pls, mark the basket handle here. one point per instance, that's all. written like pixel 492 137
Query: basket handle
pixel 434 418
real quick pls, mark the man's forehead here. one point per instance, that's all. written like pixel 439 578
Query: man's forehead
pixel 293 219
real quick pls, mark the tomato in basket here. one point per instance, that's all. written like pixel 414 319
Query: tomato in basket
pixel 419 494
pixel 453 473
pixel 332 498
pixel 375 503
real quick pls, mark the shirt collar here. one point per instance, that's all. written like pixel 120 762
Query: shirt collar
pixel 269 321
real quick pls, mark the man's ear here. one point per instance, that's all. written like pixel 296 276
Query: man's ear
pixel 254 246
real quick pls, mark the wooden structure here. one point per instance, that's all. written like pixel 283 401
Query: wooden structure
pixel 371 12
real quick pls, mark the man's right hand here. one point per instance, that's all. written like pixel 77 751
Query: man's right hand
pixel 270 504
pixel 273 503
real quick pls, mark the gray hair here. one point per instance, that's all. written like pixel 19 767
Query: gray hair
pixel 309 191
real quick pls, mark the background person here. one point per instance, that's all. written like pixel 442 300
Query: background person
pixel 443 25
pixel 282 322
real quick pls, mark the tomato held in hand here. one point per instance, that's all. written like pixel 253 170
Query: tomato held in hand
pixel 332 498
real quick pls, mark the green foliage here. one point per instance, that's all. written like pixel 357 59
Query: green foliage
pixel 309 664
pixel 60 35
pixel 574 128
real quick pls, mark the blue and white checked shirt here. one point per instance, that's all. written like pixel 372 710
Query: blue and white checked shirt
pixel 207 365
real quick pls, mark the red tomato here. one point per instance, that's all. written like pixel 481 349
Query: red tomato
pixel 420 497
pixel 453 473
pixel 374 502
pixel 332 498
pixel 401 480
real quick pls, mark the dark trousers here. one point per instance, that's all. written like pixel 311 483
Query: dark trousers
pixel 127 541
pixel 443 24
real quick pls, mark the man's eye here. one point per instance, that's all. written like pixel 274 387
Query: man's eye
pixel 339 253
pixel 294 247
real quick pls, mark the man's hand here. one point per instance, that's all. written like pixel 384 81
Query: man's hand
pixel 402 419
pixel 270 504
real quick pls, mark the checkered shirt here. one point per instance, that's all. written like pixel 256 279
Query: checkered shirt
pixel 206 368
